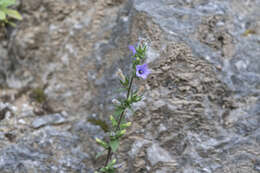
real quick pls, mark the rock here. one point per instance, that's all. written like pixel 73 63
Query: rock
pixel 200 111
pixel 136 147
pixel 53 119
pixel 39 151
pixel 157 154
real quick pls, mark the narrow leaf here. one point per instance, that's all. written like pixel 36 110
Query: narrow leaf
pixel 111 164
pixel 113 121
pixel 120 133
pixel 125 125
pixel 99 154
pixel 7 3
pixel 102 143
pixel 121 90
pixel 114 145
pixel 13 14
pixel 118 111
pixel 12 24
pixel 2 15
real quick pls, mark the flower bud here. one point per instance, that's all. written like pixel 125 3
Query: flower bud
pixel 122 132
pixel 128 124
pixel 98 140
pixel 113 161
pixel 120 74
pixel 102 143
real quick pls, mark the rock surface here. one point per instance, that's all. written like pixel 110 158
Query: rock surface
pixel 201 107
pixel 53 119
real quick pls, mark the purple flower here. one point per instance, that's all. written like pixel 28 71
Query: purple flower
pixel 132 48
pixel 142 71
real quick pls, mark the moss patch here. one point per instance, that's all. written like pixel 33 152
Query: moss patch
pixel 38 95
pixel 101 123
pixel 248 32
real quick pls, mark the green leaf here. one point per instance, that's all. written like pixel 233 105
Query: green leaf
pixel 119 90
pixel 125 125
pixel 125 83
pixel 11 23
pixel 103 169
pixel 2 15
pixel 13 14
pixel 111 171
pixel 122 82
pixel 102 143
pixel 120 133
pixel 118 111
pixel 110 166
pixel 113 121
pixel 114 145
pixel 7 3
pixel 100 154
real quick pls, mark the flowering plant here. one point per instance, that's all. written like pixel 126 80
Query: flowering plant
pixel 119 124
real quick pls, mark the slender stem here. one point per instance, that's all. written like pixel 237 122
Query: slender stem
pixel 110 153
pixel 128 93
pixel 108 156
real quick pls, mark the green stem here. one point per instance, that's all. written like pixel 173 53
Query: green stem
pixel 128 93
pixel 110 153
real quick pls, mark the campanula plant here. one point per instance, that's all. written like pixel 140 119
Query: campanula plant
pixel 119 124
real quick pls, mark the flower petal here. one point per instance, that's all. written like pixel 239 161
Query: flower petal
pixel 132 48
pixel 142 71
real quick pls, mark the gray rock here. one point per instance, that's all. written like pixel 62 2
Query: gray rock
pixel 39 151
pixel 157 154
pixel 200 111
pixel 52 119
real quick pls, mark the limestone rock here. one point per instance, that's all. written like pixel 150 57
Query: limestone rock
pixel 48 120
pixel 200 112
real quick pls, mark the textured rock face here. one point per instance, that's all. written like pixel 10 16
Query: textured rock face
pixel 201 110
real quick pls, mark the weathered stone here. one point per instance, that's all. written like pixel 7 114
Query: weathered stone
pixel 200 111
pixel 52 119
pixel 157 154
